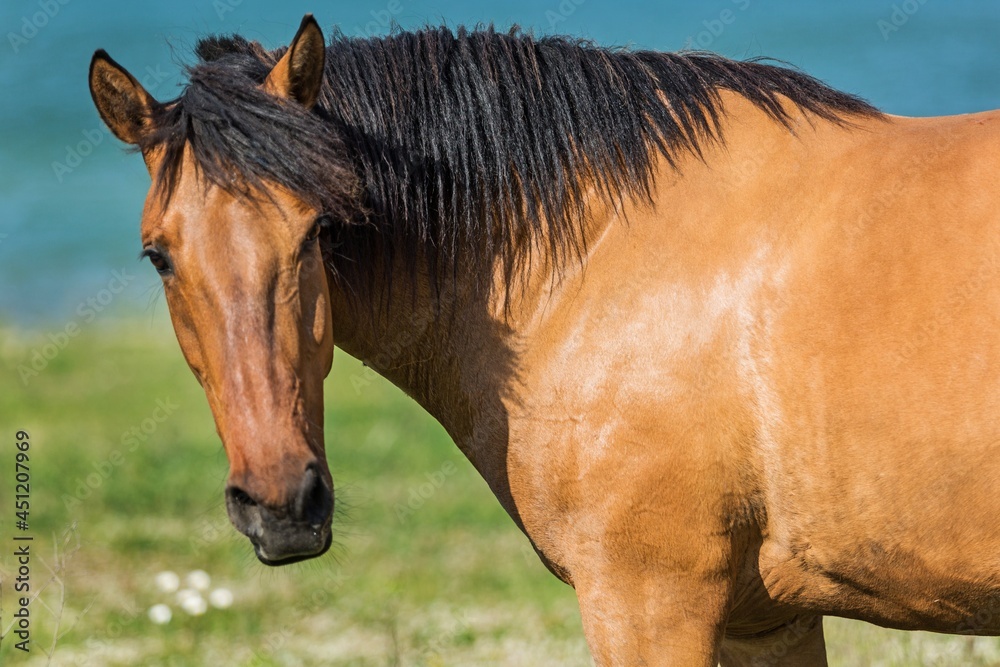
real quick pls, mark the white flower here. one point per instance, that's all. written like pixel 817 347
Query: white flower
pixel 186 594
pixel 167 582
pixel 221 598
pixel 160 614
pixel 194 605
pixel 198 580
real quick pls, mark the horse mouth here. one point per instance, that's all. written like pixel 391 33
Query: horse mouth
pixel 278 561
pixel 295 531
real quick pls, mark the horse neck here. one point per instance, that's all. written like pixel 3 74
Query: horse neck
pixel 453 349
pixel 446 350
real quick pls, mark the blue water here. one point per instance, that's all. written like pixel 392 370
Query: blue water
pixel 68 220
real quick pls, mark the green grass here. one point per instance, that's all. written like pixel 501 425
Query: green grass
pixel 453 583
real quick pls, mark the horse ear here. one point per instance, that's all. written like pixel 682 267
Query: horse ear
pixel 299 73
pixel 123 103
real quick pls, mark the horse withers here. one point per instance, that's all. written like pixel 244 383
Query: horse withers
pixel 721 339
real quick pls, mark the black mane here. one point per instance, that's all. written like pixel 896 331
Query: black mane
pixel 467 146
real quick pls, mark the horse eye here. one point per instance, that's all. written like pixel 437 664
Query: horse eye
pixel 313 233
pixel 321 223
pixel 158 260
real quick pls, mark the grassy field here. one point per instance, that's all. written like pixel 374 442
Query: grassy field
pixel 127 481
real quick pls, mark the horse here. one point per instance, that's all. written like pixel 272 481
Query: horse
pixel 721 339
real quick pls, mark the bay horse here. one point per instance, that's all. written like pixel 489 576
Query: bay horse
pixel 723 341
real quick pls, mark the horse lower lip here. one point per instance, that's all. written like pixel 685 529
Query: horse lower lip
pixel 293 558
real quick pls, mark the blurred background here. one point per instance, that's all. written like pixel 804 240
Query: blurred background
pixel 127 472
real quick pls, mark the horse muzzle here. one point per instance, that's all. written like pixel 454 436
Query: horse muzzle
pixel 297 531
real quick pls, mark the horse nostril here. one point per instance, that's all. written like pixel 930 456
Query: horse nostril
pixel 240 497
pixel 314 502
pixel 244 511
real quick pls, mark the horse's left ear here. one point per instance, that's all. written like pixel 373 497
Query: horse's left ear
pixel 299 73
